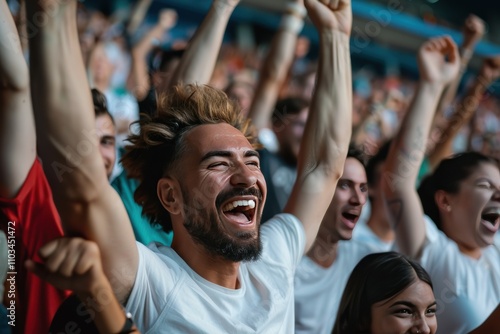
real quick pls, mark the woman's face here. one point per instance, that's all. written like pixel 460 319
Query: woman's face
pixel 473 214
pixel 411 311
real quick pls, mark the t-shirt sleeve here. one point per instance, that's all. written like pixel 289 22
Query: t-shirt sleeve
pixel 283 240
pixel 153 285
pixel 435 240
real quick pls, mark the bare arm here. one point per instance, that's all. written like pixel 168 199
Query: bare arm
pixel 490 71
pixel 17 128
pixel 138 13
pixel 274 71
pixel 326 138
pixel 198 61
pixel 473 32
pixel 407 151
pixel 68 144
pixel 139 81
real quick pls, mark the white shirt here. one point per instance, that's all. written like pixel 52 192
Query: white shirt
pixel 467 290
pixel 318 290
pixel 169 297
pixel 363 234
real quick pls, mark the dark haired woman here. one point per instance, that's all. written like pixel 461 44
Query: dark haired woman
pixel 387 293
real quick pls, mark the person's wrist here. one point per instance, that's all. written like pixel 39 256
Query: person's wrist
pixel 224 6
pixel 128 326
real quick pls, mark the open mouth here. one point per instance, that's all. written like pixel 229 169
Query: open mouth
pixel 491 218
pixel 350 218
pixel 240 211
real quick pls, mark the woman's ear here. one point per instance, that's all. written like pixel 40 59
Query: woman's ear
pixel 442 201
pixel 169 195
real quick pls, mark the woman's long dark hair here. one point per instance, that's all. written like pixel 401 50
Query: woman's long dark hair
pixel 375 278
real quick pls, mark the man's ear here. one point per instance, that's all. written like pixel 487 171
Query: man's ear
pixel 168 191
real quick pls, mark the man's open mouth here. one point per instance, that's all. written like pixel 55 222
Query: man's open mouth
pixel 240 211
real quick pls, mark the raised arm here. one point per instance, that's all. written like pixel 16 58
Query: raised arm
pixel 490 71
pixel 198 61
pixel 326 137
pixel 139 11
pixel 68 143
pixel 17 128
pixel 139 80
pixel 276 65
pixel 438 64
pixel 473 31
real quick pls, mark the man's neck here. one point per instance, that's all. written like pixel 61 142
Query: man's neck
pixel 212 268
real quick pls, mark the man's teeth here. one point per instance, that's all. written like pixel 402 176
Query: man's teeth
pixel 232 205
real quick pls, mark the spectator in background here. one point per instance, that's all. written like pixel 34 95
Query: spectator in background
pixel 463 200
pixel 122 106
pixel 145 231
pixel 323 271
pixel 387 293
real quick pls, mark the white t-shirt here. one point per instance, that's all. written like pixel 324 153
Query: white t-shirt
pixel 169 297
pixel 363 234
pixel 467 290
pixel 318 290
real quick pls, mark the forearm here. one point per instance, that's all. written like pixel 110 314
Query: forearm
pixel 401 170
pixel 63 107
pixel 272 75
pixel 408 150
pixel 462 116
pixel 329 126
pixel 109 315
pixel 139 12
pixel 139 81
pixel 198 61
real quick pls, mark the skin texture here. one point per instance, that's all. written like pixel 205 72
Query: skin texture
pixel 411 311
pixel 461 212
pixel 207 183
pixel 106 133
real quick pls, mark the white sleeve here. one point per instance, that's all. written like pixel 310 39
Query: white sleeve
pixel 154 282
pixel 283 240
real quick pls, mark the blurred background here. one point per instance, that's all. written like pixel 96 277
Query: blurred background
pixel 385 38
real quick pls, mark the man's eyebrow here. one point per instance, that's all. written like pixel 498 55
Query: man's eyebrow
pixel 252 153
pixel 211 154
pixel 228 154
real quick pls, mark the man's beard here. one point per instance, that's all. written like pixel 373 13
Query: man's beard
pixel 205 227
